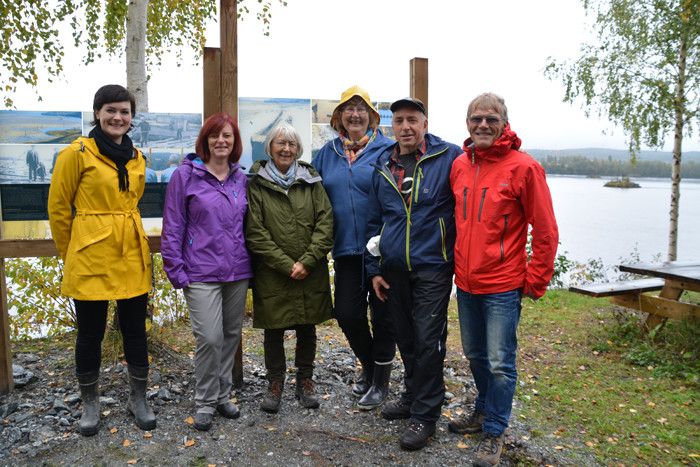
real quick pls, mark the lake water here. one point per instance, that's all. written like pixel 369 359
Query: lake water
pixel 609 223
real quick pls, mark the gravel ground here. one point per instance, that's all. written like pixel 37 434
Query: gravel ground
pixel 39 418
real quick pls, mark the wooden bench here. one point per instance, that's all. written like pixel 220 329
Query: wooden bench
pixel 619 288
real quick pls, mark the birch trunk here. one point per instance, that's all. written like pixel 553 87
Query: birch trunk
pixel 136 79
pixel 677 151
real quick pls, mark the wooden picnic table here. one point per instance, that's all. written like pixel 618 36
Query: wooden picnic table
pixel 678 276
pixel 670 278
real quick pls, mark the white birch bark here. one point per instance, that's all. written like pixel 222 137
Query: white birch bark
pixel 136 79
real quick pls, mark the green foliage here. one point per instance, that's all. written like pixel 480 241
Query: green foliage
pixel 31 32
pixel 644 69
pixel 34 298
pixel 37 307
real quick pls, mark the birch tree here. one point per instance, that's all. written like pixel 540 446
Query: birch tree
pixel 643 73
pixel 143 30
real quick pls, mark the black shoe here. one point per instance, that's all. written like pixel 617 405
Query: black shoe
pixel 362 382
pixel 228 410
pixel 417 435
pixel 90 420
pixel 464 424
pixel 379 390
pixel 401 409
pixel 203 421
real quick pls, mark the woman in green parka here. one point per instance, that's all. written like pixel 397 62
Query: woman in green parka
pixel 289 232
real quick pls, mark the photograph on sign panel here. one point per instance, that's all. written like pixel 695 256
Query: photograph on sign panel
pixel 28 127
pixel 257 116
pixel 160 130
pixel 28 163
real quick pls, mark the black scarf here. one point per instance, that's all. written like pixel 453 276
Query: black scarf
pixel 120 154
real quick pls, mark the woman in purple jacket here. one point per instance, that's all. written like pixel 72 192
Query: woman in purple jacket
pixel 204 253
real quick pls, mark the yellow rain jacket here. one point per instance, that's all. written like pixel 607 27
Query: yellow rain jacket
pixel 103 246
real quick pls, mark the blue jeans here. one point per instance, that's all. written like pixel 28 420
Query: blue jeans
pixel 488 325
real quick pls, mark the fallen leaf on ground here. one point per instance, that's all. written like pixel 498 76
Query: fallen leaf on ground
pixel 462 445
pixel 189 443
pixel 189 420
pixel 306 453
pixel 126 443
pixel 663 421
pixel 590 444
pixel 132 461
pixel 147 435
pixel 559 448
pixel 113 430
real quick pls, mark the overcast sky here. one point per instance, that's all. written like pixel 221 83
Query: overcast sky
pixel 318 48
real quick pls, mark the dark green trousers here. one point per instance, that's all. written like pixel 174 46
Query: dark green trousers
pixel 304 355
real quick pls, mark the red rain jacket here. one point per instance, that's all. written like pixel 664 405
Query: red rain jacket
pixel 498 192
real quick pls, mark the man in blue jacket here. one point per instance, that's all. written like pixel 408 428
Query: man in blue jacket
pixel 411 209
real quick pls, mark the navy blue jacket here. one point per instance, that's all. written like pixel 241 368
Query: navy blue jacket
pixel 420 236
pixel 348 188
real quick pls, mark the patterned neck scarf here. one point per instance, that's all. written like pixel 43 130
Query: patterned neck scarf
pixel 283 180
pixel 352 148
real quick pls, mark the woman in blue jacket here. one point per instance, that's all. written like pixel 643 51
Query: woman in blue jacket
pixel 346 166
pixel 204 253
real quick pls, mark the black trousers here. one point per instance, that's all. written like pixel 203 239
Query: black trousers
pixel 92 319
pixel 304 355
pixel 353 291
pixel 418 307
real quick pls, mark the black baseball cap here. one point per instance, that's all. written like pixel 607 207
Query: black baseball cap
pixel 411 102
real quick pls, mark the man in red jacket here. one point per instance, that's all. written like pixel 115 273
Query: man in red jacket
pixel 499 192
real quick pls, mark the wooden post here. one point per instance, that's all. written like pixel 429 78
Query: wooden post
pixel 228 26
pixel 6 380
pixel 211 65
pixel 419 79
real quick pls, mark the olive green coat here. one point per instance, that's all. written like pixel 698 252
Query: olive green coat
pixel 283 227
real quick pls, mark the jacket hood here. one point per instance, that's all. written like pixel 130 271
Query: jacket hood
pixel 196 162
pixel 506 142
pixel 305 172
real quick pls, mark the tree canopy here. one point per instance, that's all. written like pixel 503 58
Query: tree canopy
pixel 33 43
pixel 643 73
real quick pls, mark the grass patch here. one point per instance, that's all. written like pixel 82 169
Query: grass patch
pixel 591 379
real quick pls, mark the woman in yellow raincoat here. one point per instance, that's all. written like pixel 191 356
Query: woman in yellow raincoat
pixel 96 225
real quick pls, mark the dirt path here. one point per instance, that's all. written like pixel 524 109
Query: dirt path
pixel 38 420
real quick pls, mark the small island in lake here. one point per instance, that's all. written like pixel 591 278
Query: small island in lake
pixel 622 182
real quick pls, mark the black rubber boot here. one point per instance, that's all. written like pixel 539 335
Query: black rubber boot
pixel 363 381
pixel 138 406
pixel 90 419
pixel 380 387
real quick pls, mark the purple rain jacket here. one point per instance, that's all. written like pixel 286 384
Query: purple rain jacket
pixel 202 238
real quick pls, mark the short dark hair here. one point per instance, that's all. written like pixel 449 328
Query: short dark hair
pixel 112 93
pixel 214 125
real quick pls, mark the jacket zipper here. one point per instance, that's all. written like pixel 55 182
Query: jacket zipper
pixel 481 204
pixel 503 235
pixel 442 238
pixel 464 203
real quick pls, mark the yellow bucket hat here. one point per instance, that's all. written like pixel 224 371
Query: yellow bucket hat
pixel 348 94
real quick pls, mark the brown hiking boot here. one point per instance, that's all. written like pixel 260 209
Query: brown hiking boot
pixel 273 398
pixel 305 393
pixel 488 452
pixel 464 423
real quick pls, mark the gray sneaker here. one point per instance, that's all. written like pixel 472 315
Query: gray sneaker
pixel 488 452
pixel 464 423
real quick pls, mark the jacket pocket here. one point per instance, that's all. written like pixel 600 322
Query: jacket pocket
pixel 503 236
pixel 442 238
pixel 91 238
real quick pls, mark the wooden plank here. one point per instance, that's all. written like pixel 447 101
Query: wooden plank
pixel 659 306
pixel 619 288
pixel 6 379
pixel 211 66
pixel 40 248
pixel 228 26
pixel 419 79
